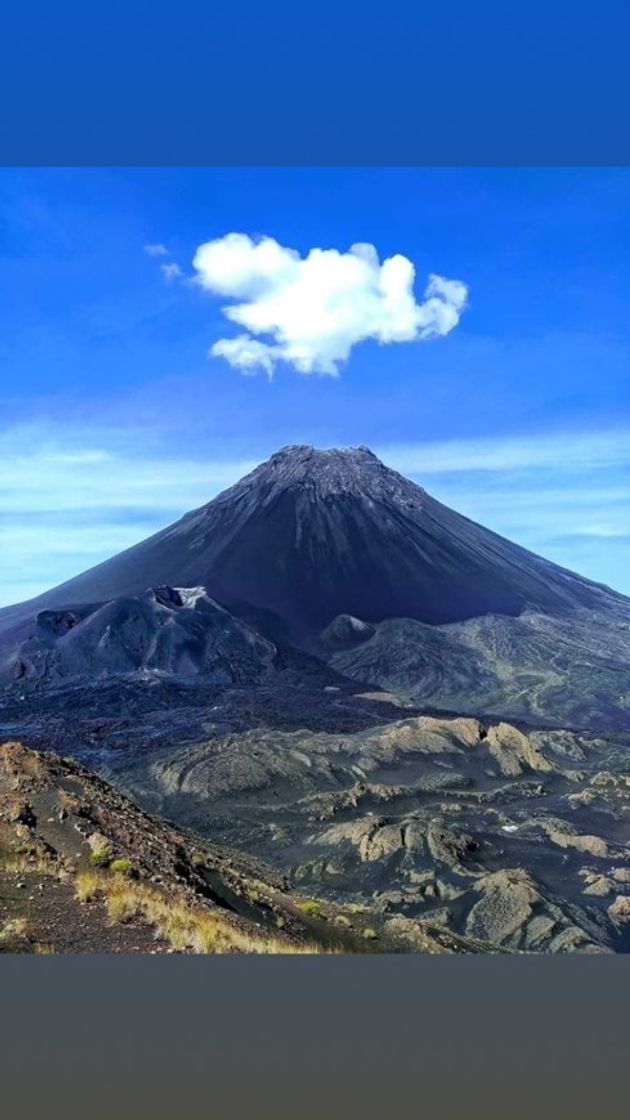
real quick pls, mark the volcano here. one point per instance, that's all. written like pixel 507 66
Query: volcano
pixel 313 534
pixel 327 669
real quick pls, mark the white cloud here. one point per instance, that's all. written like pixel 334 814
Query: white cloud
pixel 246 354
pixel 311 310
pixel 157 250
pixel 171 271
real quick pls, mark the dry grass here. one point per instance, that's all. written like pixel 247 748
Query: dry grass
pixel 87 885
pixel 32 862
pixel 122 905
pixel 16 929
pixel 68 801
pixel 184 927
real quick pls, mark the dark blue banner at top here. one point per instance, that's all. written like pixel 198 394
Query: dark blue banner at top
pixel 329 83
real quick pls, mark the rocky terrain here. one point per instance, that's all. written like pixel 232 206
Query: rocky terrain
pixel 509 837
pixel 82 869
pixel 422 729
pixel 570 671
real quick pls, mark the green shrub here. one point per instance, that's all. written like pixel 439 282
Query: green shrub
pixel 122 867
pixel 310 906
pixel 100 858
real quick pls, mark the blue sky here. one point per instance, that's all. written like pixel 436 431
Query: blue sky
pixel 115 418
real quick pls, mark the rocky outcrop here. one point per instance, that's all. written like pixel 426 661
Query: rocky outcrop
pixel 167 632
pixel 514 752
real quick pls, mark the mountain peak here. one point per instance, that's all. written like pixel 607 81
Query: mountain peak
pixel 309 451
pixel 310 459
pixel 329 472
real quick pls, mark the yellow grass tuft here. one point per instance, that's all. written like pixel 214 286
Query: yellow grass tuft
pixel 87 885
pixel 185 927
pixel 32 861
pixel 121 905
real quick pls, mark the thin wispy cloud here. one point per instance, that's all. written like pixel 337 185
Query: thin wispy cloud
pixel 560 451
pixel 310 311
pixel 156 250
pixel 523 509
pixel 171 271
pixel 565 496
pixel 70 499
pixel 544 491
pixel 43 469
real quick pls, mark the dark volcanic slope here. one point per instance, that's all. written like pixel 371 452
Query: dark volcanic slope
pixel 176 631
pixel 570 671
pixel 312 534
